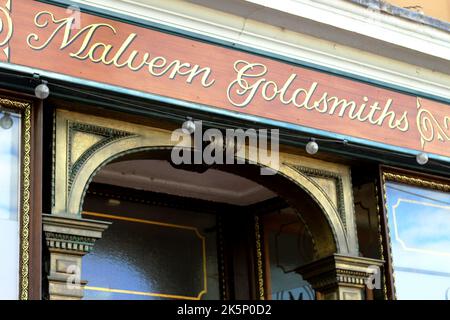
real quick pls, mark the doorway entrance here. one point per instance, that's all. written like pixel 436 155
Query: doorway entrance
pixel 195 232
pixel 192 233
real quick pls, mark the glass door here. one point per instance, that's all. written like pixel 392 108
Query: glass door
pixel 287 245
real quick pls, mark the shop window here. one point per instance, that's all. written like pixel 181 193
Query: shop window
pixel 168 246
pixel 418 221
pixel 147 252
pixel 10 162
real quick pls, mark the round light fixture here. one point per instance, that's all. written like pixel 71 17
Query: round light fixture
pixel 189 127
pixel 312 147
pixel 6 122
pixel 422 158
pixel 42 91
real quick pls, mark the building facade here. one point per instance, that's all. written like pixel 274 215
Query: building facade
pixel 289 150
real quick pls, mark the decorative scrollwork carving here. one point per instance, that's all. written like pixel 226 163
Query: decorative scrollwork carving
pixel 6 30
pixel 338 184
pixel 24 108
pixel 69 242
pixel 415 181
pixel 109 135
pixel 259 260
pixel 430 128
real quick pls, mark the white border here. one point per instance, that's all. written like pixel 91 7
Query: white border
pixel 397 236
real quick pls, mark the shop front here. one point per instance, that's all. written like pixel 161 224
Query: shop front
pixel 121 181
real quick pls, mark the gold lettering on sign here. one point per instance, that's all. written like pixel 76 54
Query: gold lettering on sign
pixel 66 24
pixel 429 127
pixel 6 30
pixel 252 79
pixel 107 54
pixel 250 82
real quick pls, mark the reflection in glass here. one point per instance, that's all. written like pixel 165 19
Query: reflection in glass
pixel 419 228
pixel 9 209
pixel 287 246
pixel 153 259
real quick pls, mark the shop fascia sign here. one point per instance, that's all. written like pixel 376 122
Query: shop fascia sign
pixel 107 51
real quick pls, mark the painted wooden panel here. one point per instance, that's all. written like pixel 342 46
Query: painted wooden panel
pixel 108 51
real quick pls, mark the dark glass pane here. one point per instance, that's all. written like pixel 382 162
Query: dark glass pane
pixel 288 245
pixel 419 228
pixel 154 258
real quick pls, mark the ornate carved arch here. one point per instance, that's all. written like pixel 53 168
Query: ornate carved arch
pixel 84 144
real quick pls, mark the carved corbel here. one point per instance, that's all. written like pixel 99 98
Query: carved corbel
pixel 68 239
pixel 340 277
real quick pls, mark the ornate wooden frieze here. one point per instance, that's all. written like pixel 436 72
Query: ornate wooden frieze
pixel 334 183
pixel 73 234
pixel 86 139
pixel 69 242
pixel 330 183
pixel 416 181
pixel 70 145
